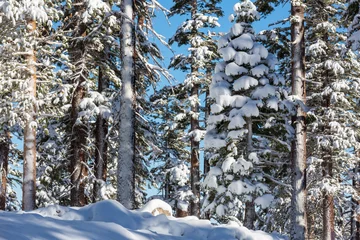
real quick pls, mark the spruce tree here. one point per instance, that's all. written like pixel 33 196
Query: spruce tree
pixel 203 14
pixel 246 92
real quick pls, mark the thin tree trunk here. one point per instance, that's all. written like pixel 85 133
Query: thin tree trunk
pixel 298 155
pixel 328 206
pixel 195 145
pixel 355 219
pixel 250 215
pixel 4 161
pixel 78 130
pixel 126 168
pixel 78 168
pixel 29 168
pixel 207 113
pixel 101 144
pixel 310 225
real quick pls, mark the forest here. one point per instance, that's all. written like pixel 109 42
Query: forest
pixel 262 132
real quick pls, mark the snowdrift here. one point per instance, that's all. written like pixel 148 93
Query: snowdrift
pixel 108 220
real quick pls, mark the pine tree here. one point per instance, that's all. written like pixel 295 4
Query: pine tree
pixel 332 78
pixel 246 92
pixel 203 14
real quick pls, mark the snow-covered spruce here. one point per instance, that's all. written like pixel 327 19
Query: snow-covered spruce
pixel 195 33
pixel 247 104
pixel 333 89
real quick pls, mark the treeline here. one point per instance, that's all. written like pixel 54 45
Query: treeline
pixel 274 114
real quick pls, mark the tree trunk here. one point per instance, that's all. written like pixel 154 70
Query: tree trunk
pixel 126 168
pixel 29 168
pixel 78 162
pixel 355 218
pixel 298 151
pixel 101 144
pixel 4 161
pixel 78 130
pixel 328 206
pixel 250 215
pixel 195 145
pixel 207 113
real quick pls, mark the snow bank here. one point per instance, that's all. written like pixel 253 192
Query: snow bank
pixel 110 220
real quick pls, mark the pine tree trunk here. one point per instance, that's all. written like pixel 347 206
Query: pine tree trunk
pixel 310 225
pixel 78 130
pixel 298 154
pixel 101 144
pixel 126 168
pixel 78 162
pixel 29 166
pixel 328 206
pixel 250 215
pixel 4 161
pixel 355 219
pixel 207 113
pixel 195 145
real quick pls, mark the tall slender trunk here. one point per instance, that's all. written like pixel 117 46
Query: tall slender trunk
pixel 78 130
pixel 195 145
pixel 355 219
pixel 4 161
pixel 29 171
pixel 126 168
pixel 101 144
pixel 298 151
pixel 207 113
pixel 328 206
pixel 78 168
pixel 328 199
pixel 250 215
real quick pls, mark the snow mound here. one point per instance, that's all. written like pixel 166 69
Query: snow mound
pixel 110 220
pixel 157 207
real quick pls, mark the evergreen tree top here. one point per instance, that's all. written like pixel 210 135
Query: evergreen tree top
pixel 209 7
pixel 244 11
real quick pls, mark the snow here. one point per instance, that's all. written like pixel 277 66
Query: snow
pixel 244 42
pixel 264 201
pixel 232 69
pixel 237 29
pixel 227 53
pixel 245 82
pixel 264 92
pixel 110 220
pixel 155 204
pixel 236 122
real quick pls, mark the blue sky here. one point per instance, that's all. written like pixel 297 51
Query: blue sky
pixel 162 26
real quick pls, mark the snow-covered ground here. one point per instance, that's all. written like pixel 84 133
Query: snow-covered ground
pixel 110 220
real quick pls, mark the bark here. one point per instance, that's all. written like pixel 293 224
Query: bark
pixel 355 219
pixel 78 167
pixel 250 215
pixel 181 213
pixel 78 130
pixel 310 225
pixel 298 151
pixel 125 167
pixel 207 113
pixel 195 164
pixel 29 166
pixel 4 161
pixel 101 144
pixel 328 206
